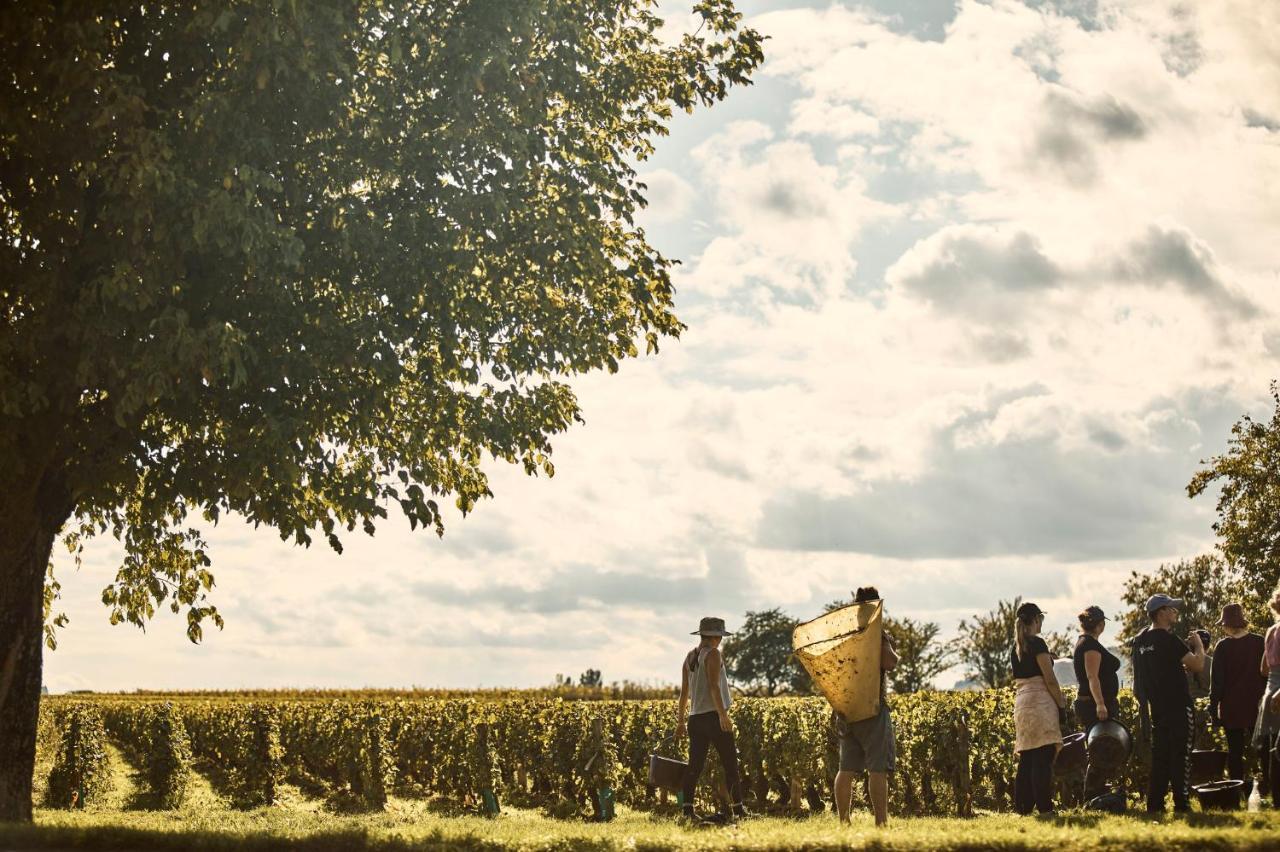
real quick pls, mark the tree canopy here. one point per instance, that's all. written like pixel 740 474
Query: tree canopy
pixel 1205 583
pixel 1248 524
pixel 303 262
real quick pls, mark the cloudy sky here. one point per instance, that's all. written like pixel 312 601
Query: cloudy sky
pixel 971 288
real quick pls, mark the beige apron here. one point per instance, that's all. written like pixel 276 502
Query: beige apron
pixel 1035 716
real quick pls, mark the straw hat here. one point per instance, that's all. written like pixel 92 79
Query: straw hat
pixel 711 627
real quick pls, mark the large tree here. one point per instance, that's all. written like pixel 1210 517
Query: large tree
pixel 1248 524
pixel 303 262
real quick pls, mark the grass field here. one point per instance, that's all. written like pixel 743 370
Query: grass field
pixel 207 822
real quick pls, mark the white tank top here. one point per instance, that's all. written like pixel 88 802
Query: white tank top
pixel 700 690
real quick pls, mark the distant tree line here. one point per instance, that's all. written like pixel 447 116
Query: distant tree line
pixel 759 660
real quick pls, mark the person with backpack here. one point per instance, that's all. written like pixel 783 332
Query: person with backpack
pixel 1161 661
pixel 704 694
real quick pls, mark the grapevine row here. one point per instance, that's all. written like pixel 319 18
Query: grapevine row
pixel 955 751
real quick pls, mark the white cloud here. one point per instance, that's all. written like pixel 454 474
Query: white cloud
pixel 787 220
pixel 964 309
pixel 809 118
pixel 670 196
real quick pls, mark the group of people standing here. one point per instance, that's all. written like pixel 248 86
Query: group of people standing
pixel 1243 690
pixel 1242 676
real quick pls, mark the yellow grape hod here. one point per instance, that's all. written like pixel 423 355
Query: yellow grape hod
pixel 841 651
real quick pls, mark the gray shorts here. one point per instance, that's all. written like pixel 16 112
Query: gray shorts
pixel 867 746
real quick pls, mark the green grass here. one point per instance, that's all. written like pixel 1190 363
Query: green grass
pixel 207 822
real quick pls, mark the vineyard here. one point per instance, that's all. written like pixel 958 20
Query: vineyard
pixel 954 750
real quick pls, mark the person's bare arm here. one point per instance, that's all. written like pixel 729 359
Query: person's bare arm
pixel 1045 662
pixel 714 663
pixel 1092 665
pixel 1263 667
pixel 1194 661
pixel 684 702
pixel 888 654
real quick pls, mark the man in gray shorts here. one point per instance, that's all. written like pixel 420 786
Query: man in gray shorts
pixel 867 745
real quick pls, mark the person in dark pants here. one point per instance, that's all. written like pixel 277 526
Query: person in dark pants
pixel 1098 674
pixel 1236 687
pixel 1161 661
pixel 1266 732
pixel 705 686
pixel 1038 712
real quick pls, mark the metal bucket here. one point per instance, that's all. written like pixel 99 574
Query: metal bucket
pixel 1220 795
pixel 666 774
pixel 1110 743
pixel 1071 757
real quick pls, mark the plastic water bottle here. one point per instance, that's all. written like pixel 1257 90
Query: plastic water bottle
pixel 1255 798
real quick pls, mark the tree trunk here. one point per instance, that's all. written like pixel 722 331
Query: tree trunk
pixel 26 540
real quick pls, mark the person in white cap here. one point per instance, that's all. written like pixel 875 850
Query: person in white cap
pixel 1161 662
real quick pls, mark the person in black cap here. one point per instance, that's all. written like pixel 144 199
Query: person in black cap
pixel 704 684
pixel 1098 676
pixel 1038 710
pixel 1160 662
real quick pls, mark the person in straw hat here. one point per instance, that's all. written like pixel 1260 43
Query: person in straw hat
pixel 1236 686
pixel 704 694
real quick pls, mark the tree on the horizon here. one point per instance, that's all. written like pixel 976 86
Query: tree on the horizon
pixel 984 641
pixel 758 655
pixel 1205 583
pixel 1061 644
pixel 1248 525
pixel 306 263
pixel 921 657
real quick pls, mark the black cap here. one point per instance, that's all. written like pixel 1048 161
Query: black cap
pixel 1029 612
pixel 1095 613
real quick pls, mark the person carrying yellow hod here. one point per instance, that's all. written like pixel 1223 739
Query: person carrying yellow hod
pixel 847 653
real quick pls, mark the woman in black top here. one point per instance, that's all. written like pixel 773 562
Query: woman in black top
pixel 1097 671
pixel 1098 676
pixel 1037 712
